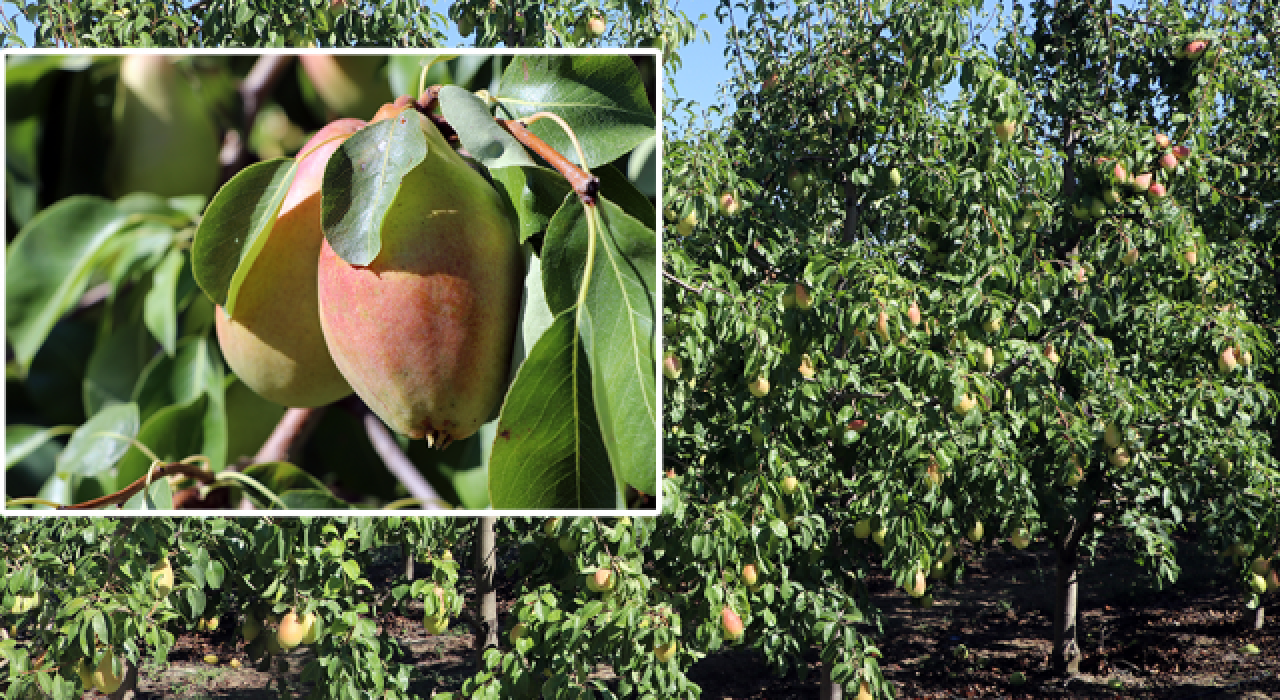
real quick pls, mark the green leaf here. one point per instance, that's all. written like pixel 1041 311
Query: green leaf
pixel 115 365
pixel 236 226
pixel 549 453
pixel 536 193
pixel 157 496
pixel 313 499
pixel 616 326
pixel 160 309
pixel 48 267
pixel 20 441
pixel 97 445
pixel 618 189
pixel 173 433
pixel 602 98
pixel 482 137
pixel 363 178
pixel 282 478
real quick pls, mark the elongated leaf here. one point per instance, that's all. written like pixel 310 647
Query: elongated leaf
pixel 157 496
pixel 115 365
pixel 22 440
pixel 97 445
pixel 617 326
pixel 198 370
pixel 483 138
pixel 160 309
pixel 601 97
pixel 295 487
pixel 548 452
pixel 535 193
pixel 48 267
pixel 362 180
pixel 236 226
pixel 173 433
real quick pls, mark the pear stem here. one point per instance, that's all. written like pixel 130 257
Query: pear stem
pixel 189 470
pixel 582 182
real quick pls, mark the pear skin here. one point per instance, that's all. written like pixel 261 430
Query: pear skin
pixel 424 332
pixel 164 139
pixel 275 343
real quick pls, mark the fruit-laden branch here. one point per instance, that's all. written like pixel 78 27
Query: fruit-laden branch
pixel 254 91
pixel 189 470
pixel 587 186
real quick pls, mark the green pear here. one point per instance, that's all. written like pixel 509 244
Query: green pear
pixel 274 342
pixel 424 332
pixel 349 86
pixel 164 140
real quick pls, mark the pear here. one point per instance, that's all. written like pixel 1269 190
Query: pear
pixel 104 678
pixel 162 578
pixel 349 86
pixel 274 342
pixel 292 629
pixel 164 139
pixel 424 332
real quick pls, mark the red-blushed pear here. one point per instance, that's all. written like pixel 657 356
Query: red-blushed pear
pixel 671 366
pixel 1227 361
pixel 1190 256
pixel 731 623
pixel 857 425
pixel 750 575
pixel 1005 130
pixel 1119 457
pixel 1121 175
pixel 424 332
pixel 1195 48
pixel 1157 191
pixel 1181 152
pixel 1168 161
pixel 1130 258
pixel 1141 182
pixel 1080 274
pixel 291 631
pixel 1162 141
pixel 916 585
pixel 882 326
pixel 596 26
pixel 729 205
pixel 758 387
pixel 601 580
pixel 666 652
pixel 913 314
pixel 274 342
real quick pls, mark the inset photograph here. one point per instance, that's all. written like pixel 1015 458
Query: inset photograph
pixel 332 281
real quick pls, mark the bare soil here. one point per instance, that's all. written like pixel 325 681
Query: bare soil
pixel 1181 643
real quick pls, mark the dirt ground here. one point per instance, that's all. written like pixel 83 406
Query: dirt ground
pixel 1182 643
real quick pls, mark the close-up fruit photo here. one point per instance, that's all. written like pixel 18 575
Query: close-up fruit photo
pixel 331 281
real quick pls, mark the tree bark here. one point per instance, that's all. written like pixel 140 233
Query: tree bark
pixel 1066 647
pixel 829 690
pixel 1259 615
pixel 407 551
pixel 486 566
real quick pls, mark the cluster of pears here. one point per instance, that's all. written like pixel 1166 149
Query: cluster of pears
pixel 285 632
pixel 423 333
pixel 106 677
pixel 1109 176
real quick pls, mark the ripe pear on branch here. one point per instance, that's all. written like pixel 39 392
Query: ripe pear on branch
pixel 424 332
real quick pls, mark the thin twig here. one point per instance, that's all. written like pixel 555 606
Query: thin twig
pixel 397 462
pixel 189 470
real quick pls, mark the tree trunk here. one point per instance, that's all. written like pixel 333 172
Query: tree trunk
pixel 486 565
pixel 1259 615
pixel 1066 647
pixel 829 690
pixel 407 551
